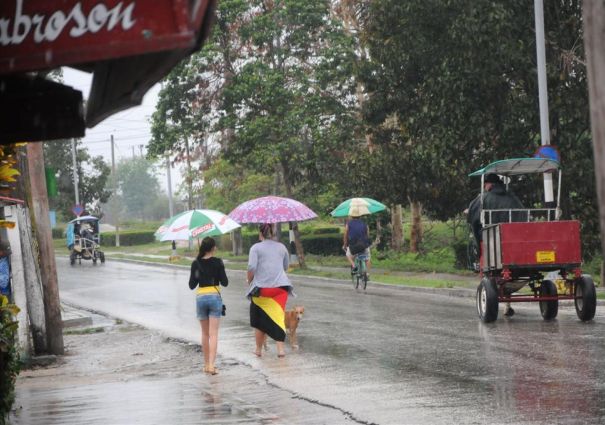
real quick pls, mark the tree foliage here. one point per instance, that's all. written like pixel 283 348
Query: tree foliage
pixel 93 174
pixel 445 87
pixel 453 86
pixel 138 186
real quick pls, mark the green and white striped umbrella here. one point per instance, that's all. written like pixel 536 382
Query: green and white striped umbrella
pixel 195 224
pixel 356 207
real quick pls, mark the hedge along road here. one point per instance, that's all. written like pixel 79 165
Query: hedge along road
pixel 386 356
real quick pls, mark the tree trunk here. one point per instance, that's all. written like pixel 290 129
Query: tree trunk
pixel 237 242
pixel 594 28
pixel 396 228
pixel 46 259
pixel 416 228
pixel 278 232
pixel 300 252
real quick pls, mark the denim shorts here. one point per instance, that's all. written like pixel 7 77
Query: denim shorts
pixel 208 305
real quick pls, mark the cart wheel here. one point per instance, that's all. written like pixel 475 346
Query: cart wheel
pixel 72 258
pixel 102 256
pixel 549 309
pixel 586 298
pixel 94 261
pixel 487 300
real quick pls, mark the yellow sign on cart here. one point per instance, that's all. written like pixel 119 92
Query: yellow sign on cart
pixel 545 256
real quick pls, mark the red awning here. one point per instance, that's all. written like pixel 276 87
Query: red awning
pixel 128 45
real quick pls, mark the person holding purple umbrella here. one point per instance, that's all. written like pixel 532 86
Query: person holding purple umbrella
pixel 269 289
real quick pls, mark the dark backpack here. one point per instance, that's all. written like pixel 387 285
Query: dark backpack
pixel 358 246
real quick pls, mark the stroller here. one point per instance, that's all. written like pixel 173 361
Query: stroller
pixel 84 240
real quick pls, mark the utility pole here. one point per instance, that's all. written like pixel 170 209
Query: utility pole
pixel 170 202
pixel 189 180
pixel 189 183
pixel 116 219
pixel 594 28
pixel 75 164
pixel 543 94
pixel 48 267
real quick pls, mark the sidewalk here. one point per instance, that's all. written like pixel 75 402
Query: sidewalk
pixel 119 373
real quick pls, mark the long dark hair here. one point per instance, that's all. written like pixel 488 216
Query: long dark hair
pixel 266 229
pixel 207 244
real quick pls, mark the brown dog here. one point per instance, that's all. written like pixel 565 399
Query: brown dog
pixel 293 317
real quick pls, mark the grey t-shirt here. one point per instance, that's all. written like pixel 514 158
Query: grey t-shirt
pixel 268 260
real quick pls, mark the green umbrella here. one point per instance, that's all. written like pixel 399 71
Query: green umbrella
pixel 195 224
pixel 356 207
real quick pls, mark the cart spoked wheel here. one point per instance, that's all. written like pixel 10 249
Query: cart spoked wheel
pixel 487 300
pixel 586 298
pixel 549 309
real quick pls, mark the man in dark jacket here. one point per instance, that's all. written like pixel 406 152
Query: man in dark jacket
pixel 495 198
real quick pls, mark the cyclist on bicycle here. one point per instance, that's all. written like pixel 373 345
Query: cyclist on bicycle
pixel 356 241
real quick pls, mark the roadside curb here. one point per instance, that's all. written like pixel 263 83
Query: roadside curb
pixel 450 292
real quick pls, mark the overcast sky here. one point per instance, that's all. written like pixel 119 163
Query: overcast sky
pixel 130 128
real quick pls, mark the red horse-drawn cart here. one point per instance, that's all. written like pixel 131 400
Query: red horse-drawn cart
pixel 530 244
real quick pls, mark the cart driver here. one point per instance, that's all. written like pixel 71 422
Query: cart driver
pixel 86 232
pixel 495 197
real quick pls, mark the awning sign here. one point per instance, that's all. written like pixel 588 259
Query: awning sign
pixel 39 34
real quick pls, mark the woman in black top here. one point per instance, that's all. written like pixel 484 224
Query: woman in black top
pixel 207 272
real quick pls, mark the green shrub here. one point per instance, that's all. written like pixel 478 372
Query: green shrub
pixel 330 244
pixel 58 233
pixel 326 231
pixel 128 238
pixel 9 357
pixel 325 244
pixel 460 248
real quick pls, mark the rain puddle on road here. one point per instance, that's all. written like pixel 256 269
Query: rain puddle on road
pixel 125 374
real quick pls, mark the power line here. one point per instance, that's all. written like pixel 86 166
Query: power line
pixel 124 138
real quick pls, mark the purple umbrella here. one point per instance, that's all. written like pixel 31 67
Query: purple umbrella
pixel 271 209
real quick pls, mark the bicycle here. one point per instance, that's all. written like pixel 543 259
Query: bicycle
pixel 361 275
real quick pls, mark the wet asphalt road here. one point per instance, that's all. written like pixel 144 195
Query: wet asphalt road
pixel 386 356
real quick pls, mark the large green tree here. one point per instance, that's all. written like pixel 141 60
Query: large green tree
pixel 453 86
pixel 139 188
pixel 288 107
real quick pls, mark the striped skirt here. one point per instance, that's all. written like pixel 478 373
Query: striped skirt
pixel 267 312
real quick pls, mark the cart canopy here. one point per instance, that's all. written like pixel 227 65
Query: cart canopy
pixel 85 218
pixel 516 166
